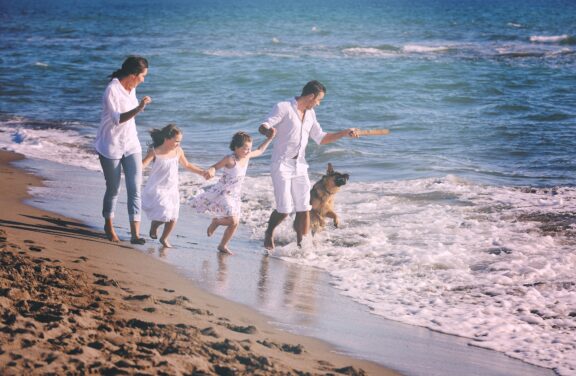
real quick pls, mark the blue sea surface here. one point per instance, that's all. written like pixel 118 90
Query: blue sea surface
pixel 469 88
pixel 460 220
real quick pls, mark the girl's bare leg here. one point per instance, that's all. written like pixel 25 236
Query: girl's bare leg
pixel 232 225
pixel 154 229
pixel 168 227
pixel 213 226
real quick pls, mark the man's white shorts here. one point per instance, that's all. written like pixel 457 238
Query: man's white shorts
pixel 291 186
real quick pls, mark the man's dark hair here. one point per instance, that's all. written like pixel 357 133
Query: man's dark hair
pixel 313 87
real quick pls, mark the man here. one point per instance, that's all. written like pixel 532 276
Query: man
pixel 295 122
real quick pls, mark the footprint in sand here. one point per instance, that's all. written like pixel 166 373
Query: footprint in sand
pixel 80 259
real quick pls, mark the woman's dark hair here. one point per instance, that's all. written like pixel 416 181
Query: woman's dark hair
pixel 313 87
pixel 239 139
pixel 161 135
pixel 132 65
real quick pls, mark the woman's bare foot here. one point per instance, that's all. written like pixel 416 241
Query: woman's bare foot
pixel 213 226
pixel 111 234
pixel 165 243
pixel 225 250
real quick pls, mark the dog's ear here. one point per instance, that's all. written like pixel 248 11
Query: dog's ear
pixel 330 169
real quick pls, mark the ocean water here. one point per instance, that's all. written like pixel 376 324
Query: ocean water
pixel 461 220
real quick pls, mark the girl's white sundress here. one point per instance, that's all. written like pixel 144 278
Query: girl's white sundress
pixel 223 198
pixel 161 196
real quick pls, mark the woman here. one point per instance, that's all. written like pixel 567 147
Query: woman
pixel 118 146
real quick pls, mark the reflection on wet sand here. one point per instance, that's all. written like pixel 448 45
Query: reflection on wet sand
pixel 222 272
pixel 298 287
pixel 262 280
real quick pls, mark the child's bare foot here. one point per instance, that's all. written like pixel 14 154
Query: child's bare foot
pixel 225 250
pixel 213 226
pixel 165 243
pixel 154 230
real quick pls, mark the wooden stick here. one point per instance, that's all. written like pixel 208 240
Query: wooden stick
pixel 373 132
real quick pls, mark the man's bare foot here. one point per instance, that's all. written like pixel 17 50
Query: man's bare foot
pixel 213 226
pixel 225 250
pixel 165 243
pixel 111 234
pixel 268 241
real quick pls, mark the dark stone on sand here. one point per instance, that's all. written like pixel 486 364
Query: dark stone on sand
pixel 50 358
pixel 572 314
pixel 96 345
pixel 251 329
pixel 351 371
pixel 138 297
pixel 149 309
pixel 75 351
pixel 25 343
pixel 256 362
pixel 294 349
pixel 112 371
pixel 179 300
pixel 106 282
pixel 210 332
pixel 225 370
pixel 225 346
pixel 124 363
pixel 35 249
pixel 104 328
pixel 148 345
pixel 135 323
pixel 268 344
pixel 197 311
pixel 47 318
pixel 8 318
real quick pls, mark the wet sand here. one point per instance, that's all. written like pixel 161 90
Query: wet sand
pixel 72 302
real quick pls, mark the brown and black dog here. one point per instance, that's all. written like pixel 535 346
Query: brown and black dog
pixel 322 198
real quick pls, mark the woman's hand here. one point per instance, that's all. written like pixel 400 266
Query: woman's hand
pixel 144 102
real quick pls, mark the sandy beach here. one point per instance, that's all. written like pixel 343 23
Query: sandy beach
pixel 72 302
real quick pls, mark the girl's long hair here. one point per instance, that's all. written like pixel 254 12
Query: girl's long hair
pixel 161 135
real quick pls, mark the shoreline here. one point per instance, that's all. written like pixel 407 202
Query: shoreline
pixel 126 306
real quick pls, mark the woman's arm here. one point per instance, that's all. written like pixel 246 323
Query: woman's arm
pixel 136 110
pixel 263 146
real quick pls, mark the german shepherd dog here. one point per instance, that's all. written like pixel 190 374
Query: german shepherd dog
pixel 322 198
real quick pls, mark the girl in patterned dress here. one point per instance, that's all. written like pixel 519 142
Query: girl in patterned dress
pixel 222 200
pixel 161 196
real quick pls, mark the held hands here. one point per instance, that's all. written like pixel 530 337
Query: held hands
pixel 209 173
pixel 270 133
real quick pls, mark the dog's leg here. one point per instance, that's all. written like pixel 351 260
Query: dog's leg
pixel 331 214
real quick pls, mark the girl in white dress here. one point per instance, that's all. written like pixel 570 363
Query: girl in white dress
pixel 222 200
pixel 161 196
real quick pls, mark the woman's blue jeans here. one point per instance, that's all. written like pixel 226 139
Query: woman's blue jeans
pixel 132 166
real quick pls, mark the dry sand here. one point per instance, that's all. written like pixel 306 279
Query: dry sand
pixel 73 303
